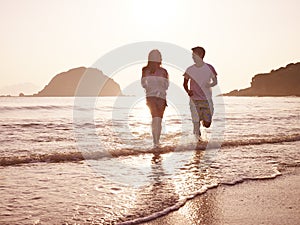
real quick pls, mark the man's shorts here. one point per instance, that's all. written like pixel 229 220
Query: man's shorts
pixel 201 110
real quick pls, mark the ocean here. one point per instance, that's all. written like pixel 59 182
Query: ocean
pixel 90 160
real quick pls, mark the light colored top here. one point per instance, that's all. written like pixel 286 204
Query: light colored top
pixel 201 78
pixel 156 83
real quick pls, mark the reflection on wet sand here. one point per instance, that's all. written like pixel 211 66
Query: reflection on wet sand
pixel 158 195
pixel 202 211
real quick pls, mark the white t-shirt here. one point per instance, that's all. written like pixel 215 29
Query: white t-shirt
pixel 201 78
pixel 156 83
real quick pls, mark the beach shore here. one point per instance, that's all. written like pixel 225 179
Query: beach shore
pixel 269 201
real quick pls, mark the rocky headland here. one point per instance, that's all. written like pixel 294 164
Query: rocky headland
pixel 284 81
pixel 80 81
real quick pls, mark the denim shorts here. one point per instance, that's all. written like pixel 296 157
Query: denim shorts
pixel 157 106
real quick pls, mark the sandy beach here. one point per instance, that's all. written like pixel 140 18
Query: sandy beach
pixel 270 201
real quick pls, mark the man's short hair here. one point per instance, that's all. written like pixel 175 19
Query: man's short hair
pixel 199 51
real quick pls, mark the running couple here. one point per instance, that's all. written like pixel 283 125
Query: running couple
pixel 198 80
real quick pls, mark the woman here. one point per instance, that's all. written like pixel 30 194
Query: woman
pixel 155 80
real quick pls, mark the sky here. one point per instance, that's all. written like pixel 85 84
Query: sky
pixel 242 38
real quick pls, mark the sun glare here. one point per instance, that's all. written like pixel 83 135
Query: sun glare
pixel 155 12
pixel 139 119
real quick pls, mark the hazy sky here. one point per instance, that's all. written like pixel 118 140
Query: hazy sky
pixel 40 39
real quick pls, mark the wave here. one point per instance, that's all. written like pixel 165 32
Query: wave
pixel 37 107
pixel 183 201
pixel 34 158
pixel 166 211
pixel 260 141
pixel 40 125
pixel 57 157
pixel 56 107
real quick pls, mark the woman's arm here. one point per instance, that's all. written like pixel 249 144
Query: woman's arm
pixel 144 80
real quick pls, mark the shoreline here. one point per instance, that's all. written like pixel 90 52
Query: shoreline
pixel 267 201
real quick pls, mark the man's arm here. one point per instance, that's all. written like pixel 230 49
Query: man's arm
pixel 214 78
pixel 185 85
pixel 214 81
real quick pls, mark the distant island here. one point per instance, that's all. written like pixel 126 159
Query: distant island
pixel 80 81
pixel 284 81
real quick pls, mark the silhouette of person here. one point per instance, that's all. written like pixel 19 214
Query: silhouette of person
pixel 155 81
pixel 202 77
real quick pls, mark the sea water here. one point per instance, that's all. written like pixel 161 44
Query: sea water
pixel 91 161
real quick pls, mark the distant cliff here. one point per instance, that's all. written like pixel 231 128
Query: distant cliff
pixel 81 82
pixel 281 82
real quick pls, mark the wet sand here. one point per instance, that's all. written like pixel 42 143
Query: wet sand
pixel 270 201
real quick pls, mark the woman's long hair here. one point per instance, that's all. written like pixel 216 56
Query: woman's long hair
pixel 154 61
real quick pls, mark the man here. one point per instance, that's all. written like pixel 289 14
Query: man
pixel 202 77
